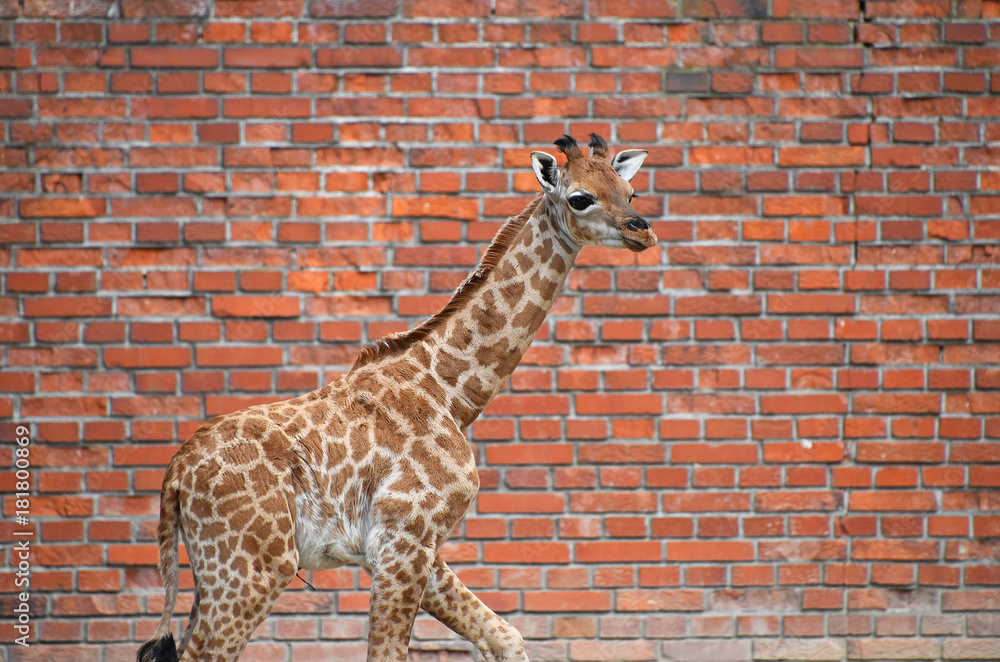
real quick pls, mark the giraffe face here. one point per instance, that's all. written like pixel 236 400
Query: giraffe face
pixel 593 195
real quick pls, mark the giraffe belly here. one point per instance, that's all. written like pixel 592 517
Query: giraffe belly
pixel 326 541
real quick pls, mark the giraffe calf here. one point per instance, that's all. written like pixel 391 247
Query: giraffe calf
pixel 374 468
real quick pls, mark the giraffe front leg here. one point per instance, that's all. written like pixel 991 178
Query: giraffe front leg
pixel 448 600
pixel 397 588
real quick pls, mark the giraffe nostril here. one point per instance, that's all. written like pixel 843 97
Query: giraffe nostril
pixel 637 224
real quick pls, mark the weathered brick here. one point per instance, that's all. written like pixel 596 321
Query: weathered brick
pixel 708 649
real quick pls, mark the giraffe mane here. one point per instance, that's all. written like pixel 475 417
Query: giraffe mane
pixel 398 342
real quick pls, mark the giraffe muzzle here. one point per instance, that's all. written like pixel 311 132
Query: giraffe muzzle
pixel 637 235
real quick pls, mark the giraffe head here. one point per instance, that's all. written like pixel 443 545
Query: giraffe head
pixel 593 195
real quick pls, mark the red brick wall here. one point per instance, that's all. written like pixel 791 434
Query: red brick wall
pixel 775 436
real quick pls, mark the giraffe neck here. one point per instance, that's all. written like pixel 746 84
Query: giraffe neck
pixel 489 329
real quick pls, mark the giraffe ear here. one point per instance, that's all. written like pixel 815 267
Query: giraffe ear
pixel 627 163
pixel 546 171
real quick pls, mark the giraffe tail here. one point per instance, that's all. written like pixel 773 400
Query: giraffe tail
pixel 161 648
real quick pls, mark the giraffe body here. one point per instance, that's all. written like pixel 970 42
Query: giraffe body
pixel 374 468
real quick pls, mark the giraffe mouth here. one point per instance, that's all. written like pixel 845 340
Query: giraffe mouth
pixel 633 245
pixel 639 241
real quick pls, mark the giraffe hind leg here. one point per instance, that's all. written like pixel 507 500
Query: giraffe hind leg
pixel 226 616
pixel 243 555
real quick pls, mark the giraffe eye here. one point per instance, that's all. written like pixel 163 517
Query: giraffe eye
pixel 579 202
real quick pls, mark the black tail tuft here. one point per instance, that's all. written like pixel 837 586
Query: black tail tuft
pixel 158 650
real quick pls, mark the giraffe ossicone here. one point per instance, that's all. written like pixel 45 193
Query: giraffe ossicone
pixel 374 468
